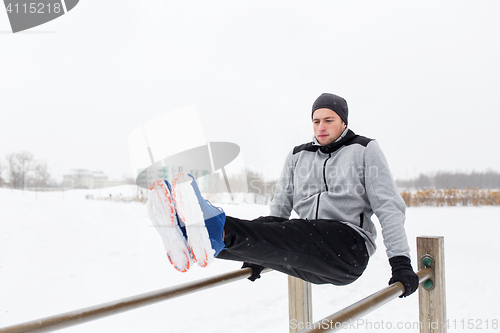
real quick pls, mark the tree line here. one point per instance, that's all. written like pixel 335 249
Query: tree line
pixel 448 180
pixel 20 170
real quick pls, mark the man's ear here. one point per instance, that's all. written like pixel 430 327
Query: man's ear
pixel 344 125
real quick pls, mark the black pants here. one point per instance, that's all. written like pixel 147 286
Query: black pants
pixel 317 251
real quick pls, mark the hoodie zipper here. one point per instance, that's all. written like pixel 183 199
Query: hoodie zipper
pixel 326 185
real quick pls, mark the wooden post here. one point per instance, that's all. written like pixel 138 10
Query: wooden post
pixel 347 315
pixel 432 293
pixel 299 303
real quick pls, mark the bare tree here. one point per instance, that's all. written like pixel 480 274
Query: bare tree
pixel 2 167
pixel 41 175
pixel 14 178
pixel 424 182
pixel 19 166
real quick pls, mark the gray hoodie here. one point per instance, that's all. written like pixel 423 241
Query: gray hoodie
pixel 348 181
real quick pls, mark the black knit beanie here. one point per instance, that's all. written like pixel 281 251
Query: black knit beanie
pixel 332 102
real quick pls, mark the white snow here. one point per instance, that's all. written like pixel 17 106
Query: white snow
pixel 60 252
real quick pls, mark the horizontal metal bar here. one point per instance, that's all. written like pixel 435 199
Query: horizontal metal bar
pixel 338 320
pixel 80 316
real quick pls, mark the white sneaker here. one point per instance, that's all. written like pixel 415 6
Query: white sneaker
pixel 190 212
pixel 161 210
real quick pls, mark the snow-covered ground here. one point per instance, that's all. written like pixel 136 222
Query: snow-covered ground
pixel 60 252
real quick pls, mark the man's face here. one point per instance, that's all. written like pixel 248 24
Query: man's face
pixel 327 126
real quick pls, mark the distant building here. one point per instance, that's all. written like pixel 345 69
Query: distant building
pixel 83 178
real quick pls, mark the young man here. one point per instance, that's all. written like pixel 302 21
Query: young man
pixel 334 183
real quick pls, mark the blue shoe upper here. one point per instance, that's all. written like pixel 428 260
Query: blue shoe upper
pixel 214 219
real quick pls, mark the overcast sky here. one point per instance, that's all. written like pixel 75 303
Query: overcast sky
pixel 423 78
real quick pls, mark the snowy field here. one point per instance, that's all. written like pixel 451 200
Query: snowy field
pixel 60 252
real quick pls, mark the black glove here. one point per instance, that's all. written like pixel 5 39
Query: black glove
pixel 402 272
pixel 256 269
